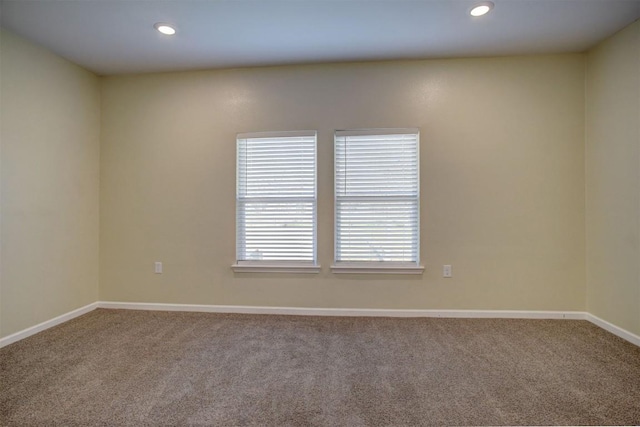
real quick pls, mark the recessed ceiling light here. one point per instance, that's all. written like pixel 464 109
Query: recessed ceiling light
pixel 481 8
pixel 165 28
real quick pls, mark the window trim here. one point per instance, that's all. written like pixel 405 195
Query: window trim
pixel 304 267
pixel 375 267
pixel 276 266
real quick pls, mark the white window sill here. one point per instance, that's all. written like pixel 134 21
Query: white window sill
pixel 250 267
pixel 376 268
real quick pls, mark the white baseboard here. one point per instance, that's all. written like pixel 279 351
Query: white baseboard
pixel 10 339
pixel 616 330
pixel 366 312
pixel 310 311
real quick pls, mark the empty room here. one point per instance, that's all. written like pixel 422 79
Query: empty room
pixel 319 212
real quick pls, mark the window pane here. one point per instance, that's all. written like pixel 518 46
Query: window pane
pixel 377 197
pixel 276 231
pixel 276 198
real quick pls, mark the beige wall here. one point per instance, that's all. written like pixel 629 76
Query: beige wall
pixel 502 180
pixel 50 131
pixel 613 179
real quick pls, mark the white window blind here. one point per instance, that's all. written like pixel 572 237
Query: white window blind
pixel 276 197
pixel 377 196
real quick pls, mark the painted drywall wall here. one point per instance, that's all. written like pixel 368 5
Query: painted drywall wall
pixel 613 179
pixel 50 133
pixel 502 180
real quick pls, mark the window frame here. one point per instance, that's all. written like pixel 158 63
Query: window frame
pixel 279 266
pixel 375 267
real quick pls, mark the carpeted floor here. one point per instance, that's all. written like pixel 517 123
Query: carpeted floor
pixel 135 368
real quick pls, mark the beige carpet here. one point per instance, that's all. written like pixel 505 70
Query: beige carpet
pixel 134 368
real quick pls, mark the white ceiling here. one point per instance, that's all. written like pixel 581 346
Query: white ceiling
pixel 117 36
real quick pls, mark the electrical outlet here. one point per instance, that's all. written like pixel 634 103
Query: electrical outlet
pixel 158 267
pixel 447 271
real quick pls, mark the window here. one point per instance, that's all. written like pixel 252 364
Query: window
pixel 377 203
pixel 276 202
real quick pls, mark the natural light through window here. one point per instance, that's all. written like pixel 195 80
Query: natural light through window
pixel 276 201
pixel 377 200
